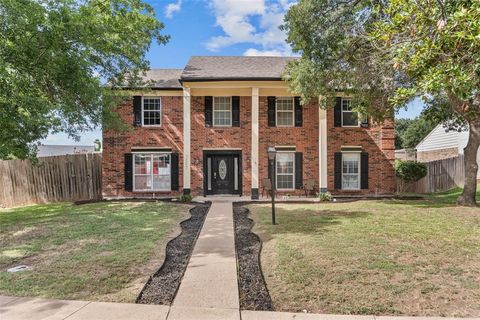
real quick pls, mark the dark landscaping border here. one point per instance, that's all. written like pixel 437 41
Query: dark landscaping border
pixel 162 287
pixel 253 291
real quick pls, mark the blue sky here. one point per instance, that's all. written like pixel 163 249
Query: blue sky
pixel 215 27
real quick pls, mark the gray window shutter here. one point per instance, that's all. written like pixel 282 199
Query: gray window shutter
pixel 338 170
pixel 208 111
pixel 271 111
pixel 364 170
pixel 298 170
pixel 128 173
pixel 298 112
pixel 337 112
pixel 137 111
pixel 235 111
pixel 174 171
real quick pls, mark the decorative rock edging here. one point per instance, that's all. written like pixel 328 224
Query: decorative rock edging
pixel 252 288
pixel 162 287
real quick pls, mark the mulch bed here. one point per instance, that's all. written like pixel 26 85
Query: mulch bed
pixel 252 287
pixel 162 287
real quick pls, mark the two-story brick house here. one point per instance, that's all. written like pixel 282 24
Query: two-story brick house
pixel 206 129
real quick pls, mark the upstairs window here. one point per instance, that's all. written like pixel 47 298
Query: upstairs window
pixel 151 111
pixel 222 111
pixel 349 117
pixel 285 114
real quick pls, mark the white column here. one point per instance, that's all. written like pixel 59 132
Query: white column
pixel 186 139
pixel 255 142
pixel 322 149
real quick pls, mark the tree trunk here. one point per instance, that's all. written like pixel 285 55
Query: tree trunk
pixel 467 198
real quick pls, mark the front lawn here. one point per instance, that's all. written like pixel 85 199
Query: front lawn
pixel 373 257
pixel 102 251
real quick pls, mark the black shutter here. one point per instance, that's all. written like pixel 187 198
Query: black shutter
pixel 298 112
pixel 271 111
pixel 137 111
pixel 365 122
pixel 298 170
pixel 174 171
pixel 338 170
pixel 208 111
pixel 337 112
pixel 235 111
pixel 128 174
pixel 364 170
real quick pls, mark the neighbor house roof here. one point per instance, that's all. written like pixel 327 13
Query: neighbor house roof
pixel 210 68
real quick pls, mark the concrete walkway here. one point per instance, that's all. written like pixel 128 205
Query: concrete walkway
pixel 210 280
pixel 13 308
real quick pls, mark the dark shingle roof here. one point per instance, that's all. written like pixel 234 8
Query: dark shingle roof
pixel 234 68
pixel 164 78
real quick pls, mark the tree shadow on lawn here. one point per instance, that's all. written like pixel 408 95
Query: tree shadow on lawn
pixel 305 221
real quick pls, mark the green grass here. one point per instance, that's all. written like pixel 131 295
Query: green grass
pixel 373 257
pixel 101 251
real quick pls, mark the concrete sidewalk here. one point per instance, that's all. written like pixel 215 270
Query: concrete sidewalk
pixel 13 308
pixel 210 281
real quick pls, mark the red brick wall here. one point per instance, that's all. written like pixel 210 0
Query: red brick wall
pixel 117 143
pixel 230 137
pixel 378 140
pixel 304 138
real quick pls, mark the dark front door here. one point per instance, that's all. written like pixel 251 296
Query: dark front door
pixel 223 174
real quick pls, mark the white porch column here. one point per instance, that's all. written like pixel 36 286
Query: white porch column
pixel 322 150
pixel 255 143
pixel 186 140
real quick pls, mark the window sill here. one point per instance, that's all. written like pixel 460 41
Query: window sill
pixel 152 191
pixel 152 127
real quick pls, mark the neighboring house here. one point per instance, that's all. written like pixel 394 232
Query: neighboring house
pixel 205 130
pixel 60 150
pixel 406 154
pixel 442 143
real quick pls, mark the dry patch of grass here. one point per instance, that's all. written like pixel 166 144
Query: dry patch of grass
pixel 373 257
pixel 101 251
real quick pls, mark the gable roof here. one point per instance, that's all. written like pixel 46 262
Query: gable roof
pixel 164 78
pixel 209 68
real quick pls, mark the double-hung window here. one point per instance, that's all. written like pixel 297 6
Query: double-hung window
pixel 152 172
pixel 222 111
pixel 151 111
pixel 351 171
pixel 349 117
pixel 285 112
pixel 285 170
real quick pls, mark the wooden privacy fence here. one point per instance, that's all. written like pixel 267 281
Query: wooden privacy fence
pixel 59 178
pixel 442 175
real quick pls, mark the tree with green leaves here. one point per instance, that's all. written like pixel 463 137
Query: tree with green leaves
pixel 386 52
pixel 436 44
pixel 401 125
pixel 60 60
pixel 409 132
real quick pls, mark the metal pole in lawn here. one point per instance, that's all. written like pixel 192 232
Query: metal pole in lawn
pixel 271 158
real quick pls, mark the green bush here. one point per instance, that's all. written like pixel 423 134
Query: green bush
pixel 410 171
pixel 325 196
pixel 185 198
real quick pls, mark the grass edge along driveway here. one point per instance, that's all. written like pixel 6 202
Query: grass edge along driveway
pixel 101 251
pixel 373 257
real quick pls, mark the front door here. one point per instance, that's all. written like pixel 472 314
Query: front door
pixel 222 170
pixel 223 174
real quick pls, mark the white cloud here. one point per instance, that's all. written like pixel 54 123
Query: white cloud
pixel 235 18
pixel 268 53
pixel 171 8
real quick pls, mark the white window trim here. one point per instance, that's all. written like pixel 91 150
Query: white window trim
pixel 276 172
pixel 359 170
pixel 151 174
pixel 358 115
pixel 143 113
pixel 293 113
pixel 213 113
